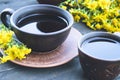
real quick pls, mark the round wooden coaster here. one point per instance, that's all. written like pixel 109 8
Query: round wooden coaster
pixel 61 55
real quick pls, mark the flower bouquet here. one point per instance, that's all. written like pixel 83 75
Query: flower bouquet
pixel 10 47
pixel 97 14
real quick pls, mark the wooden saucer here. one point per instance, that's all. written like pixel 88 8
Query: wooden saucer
pixel 61 55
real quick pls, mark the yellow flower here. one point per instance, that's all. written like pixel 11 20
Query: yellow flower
pixel 97 14
pixel 71 4
pixel 24 51
pixel 109 27
pixel 17 52
pixel 115 22
pixel 115 11
pixel 11 48
pixel 5 37
pixel 88 23
pixel 64 7
pixel 4 59
pixel 119 25
pixel 74 11
pixel 71 10
pixel 77 18
pixel 66 2
pixel 79 1
pixel 98 26
pixel 104 3
pixel 106 11
pixel 93 5
pixel 100 18
pixel 85 16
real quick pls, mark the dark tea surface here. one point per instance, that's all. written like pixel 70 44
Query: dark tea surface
pixel 102 48
pixel 41 23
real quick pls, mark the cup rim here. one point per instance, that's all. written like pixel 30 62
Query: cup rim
pixel 97 33
pixel 43 5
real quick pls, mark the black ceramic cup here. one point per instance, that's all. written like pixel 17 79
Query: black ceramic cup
pixel 44 41
pixel 99 55
pixel 52 2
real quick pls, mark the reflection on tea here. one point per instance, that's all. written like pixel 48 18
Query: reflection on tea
pixel 39 23
pixel 102 48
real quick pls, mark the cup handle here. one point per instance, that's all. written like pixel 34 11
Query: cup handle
pixel 5 17
pixel 117 33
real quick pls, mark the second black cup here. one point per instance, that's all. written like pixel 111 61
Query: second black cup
pixel 99 54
